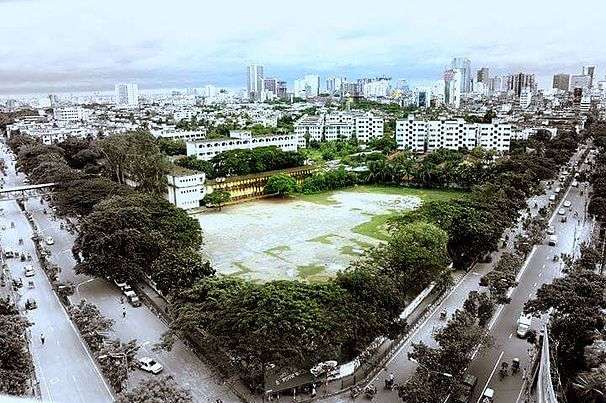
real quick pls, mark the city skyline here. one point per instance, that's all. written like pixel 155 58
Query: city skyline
pixel 60 46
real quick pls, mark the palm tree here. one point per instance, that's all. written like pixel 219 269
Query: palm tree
pixel 591 386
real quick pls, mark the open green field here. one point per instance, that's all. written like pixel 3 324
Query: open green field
pixel 305 237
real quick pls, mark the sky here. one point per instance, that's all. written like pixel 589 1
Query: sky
pixel 71 45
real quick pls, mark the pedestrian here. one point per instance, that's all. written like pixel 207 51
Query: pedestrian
pixel 122 300
pixel 124 312
pixel 313 390
pixel 42 338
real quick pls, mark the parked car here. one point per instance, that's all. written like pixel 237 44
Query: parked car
pixel 49 240
pixel 553 240
pixel 552 198
pixel 562 211
pixel 550 230
pixel 557 190
pixel 147 364
pixel 567 204
pixel 575 184
pixel 29 271
pixel 133 298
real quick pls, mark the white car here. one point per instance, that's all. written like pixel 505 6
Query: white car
pixel 49 240
pixel 147 364
pixel 557 190
pixel 567 204
pixel 552 198
pixel 562 211
pixel 29 271
pixel 575 184
pixel 550 230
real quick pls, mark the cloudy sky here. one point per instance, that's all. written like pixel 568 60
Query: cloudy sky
pixel 67 45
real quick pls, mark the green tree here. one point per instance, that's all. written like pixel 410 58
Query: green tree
pixel 79 197
pixel 91 323
pixel 116 360
pixel 178 269
pixel 15 360
pixel 281 184
pixel 156 390
pixel 172 146
pixel 217 199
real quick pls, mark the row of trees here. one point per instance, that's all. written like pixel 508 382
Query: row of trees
pixel 15 360
pixel 125 231
pixel 244 162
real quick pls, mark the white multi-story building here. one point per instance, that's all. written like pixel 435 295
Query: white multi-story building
pixel 338 126
pixel 238 140
pixel 525 98
pixel 254 81
pixel 69 114
pixel 453 87
pixel 126 94
pixel 175 134
pixel 422 136
pixel 185 188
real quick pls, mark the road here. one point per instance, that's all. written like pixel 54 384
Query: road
pixel 541 269
pixel 140 323
pixel 399 364
pixel 64 368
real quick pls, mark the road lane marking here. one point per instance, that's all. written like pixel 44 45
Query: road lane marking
pixel 540 274
pixel 510 335
pixel 529 295
pixel 496 364
pixel 534 285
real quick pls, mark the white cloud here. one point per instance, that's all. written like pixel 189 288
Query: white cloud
pixel 54 43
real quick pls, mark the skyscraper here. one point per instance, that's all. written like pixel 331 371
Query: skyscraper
pixel 580 81
pixel 519 81
pixel 452 87
pixel 126 94
pixel 589 71
pixel 307 87
pixel 333 84
pixel 254 82
pixel 464 66
pixel 483 76
pixel 561 81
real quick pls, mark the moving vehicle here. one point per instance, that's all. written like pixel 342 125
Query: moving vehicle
pixel 557 190
pixel 552 198
pixel 567 204
pixel 133 298
pixel 524 323
pixel 147 364
pixel 29 271
pixel 9 254
pixel 467 387
pixel 551 230
pixel 30 304
pixel 575 184
pixel 553 240
pixel 562 211
pixel 49 240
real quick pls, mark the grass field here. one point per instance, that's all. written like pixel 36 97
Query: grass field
pixel 305 237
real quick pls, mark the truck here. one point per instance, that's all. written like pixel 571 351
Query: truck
pixel 524 323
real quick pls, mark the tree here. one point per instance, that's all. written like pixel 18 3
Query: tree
pixel 135 158
pixel 415 255
pixel 15 360
pixel 116 360
pixel 79 197
pixel 195 164
pixel 123 235
pixel 172 146
pixel 590 387
pixel 91 323
pixel 156 390
pixel 216 199
pixel 179 269
pixel 281 184
pixel 597 207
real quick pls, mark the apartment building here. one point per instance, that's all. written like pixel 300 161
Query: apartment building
pixel 422 136
pixel 238 140
pixel 340 125
pixel 176 134
pixel 185 188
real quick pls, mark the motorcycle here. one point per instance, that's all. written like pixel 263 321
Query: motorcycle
pixel 515 366
pixel 503 371
pixel 389 384
pixel 355 392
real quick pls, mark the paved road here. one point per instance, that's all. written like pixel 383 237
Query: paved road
pixel 140 323
pixel 64 368
pixel 541 269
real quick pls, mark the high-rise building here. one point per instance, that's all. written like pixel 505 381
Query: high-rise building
pixel 464 66
pixel 127 94
pixel 580 82
pixel 423 98
pixel 333 84
pixel 271 85
pixel 307 87
pixel 519 81
pixel 281 89
pixel 589 71
pixel 254 82
pixel 561 81
pixel 452 87
pixel 483 76
pixel 496 84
